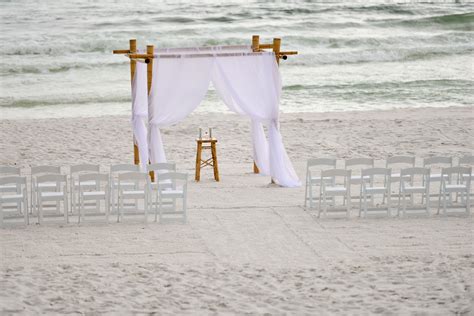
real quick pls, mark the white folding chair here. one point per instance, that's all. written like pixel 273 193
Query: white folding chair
pixel 172 186
pixel 57 193
pixel 435 164
pixel 340 186
pixel 97 192
pixel 376 181
pixel 135 186
pixel 450 184
pixel 75 171
pixel 466 161
pixel 115 171
pixel 10 171
pixel 397 163
pixel 36 172
pixel 313 178
pixel 413 181
pixel 159 169
pixel 19 197
pixel 356 165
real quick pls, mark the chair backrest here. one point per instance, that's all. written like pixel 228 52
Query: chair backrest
pixel 162 166
pixel 45 169
pixel 415 175
pixel 85 168
pixel 126 167
pixel 414 171
pixel 396 160
pixel 58 178
pixel 376 172
pixel 97 177
pixel 453 174
pixel 340 176
pixel 466 160
pixel 12 180
pixel 438 160
pixel 173 179
pixel 9 170
pixel 134 176
pixel 366 162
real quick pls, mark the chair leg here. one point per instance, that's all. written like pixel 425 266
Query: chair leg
pixel 1 215
pixel 79 212
pixel 66 208
pixel 306 193
pixel 468 203
pixel 107 208
pixel 40 210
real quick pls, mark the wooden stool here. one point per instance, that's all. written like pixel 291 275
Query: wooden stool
pixel 208 162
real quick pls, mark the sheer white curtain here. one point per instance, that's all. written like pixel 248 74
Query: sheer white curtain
pixel 251 85
pixel 178 87
pixel 248 84
pixel 140 112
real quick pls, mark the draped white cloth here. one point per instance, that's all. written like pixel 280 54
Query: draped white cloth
pixel 249 84
pixel 140 112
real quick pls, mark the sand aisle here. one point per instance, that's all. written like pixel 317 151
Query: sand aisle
pixel 247 247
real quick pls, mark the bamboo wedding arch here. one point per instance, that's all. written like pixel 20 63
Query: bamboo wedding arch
pixel 134 55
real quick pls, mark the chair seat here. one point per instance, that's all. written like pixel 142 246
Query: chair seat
pixel 85 183
pixel 123 184
pixel 414 189
pixel 47 185
pixel 171 193
pixel 466 177
pixel 357 179
pixel 335 189
pixel 12 198
pixel 8 187
pixel 52 195
pixel 437 177
pixel 395 177
pixel 375 190
pixel 317 180
pixel 133 193
pixel 455 188
pixel 94 194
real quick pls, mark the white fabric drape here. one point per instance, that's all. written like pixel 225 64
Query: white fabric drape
pixel 140 112
pixel 178 87
pixel 248 84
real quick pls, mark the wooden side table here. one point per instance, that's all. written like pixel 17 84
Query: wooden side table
pixel 212 162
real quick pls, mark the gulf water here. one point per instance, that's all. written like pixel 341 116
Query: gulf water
pixel 57 61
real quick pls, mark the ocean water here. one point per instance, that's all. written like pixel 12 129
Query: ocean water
pixel 57 61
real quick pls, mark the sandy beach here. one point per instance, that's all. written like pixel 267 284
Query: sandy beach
pixel 248 247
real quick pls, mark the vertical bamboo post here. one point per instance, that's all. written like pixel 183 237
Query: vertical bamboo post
pixel 276 49
pixel 133 65
pixel 149 69
pixel 149 76
pixel 255 48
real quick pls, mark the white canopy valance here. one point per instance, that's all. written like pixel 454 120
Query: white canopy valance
pixel 249 84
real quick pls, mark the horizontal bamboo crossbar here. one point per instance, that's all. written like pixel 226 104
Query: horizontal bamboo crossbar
pixel 147 56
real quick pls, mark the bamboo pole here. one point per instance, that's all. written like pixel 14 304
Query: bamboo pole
pixel 133 66
pixel 149 67
pixel 276 49
pixel 255 48
pixel 149 78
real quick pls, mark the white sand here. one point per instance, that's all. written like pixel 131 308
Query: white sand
pixel 248 247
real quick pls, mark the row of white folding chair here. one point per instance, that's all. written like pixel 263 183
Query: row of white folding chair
pixel 85 187
pixel 396 163
pixel 453 180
